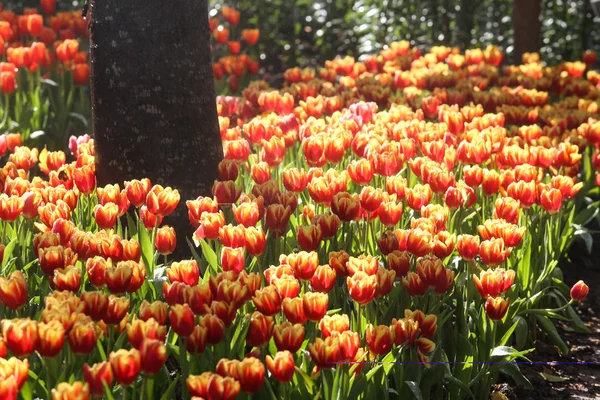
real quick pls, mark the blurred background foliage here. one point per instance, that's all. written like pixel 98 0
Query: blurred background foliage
pixel 307 32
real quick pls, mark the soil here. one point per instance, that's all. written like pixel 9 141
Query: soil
pixel 571 381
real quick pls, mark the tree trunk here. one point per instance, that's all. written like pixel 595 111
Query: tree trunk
pixel 527 26
pixel 153 98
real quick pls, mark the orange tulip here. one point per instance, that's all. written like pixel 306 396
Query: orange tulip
pixel 97 375
pixel 13 291
pixel 67 391
pixel 261 329
pixel 20 335
pixel 250 36
pixel 153 354
pixel 281 366
pixel 126 365
pixel 362 287
pixel 496 307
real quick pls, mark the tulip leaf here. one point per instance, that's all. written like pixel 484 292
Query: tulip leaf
pixel 460 384
pixel 553 378
pixel 577 323
pixel 308 382
pixel 415 389
pixel 49 82
pixel 107 392
pixel 508 333
pixel 26 392
pixel 515 373
pixel 550 329
pixel 509 352
pixel 147 248
pixel 80 118
pixel 8 250
pixel 101 351
pixel 170 392
pixel 209 255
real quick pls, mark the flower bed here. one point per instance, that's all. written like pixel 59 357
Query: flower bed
pixel 386 226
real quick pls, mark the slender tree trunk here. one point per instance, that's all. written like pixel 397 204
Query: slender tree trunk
pixel 527 26
pixel 153 98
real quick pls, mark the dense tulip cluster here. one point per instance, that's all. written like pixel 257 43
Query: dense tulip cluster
pixel 43 70
pixel 236 59
pixel 372 221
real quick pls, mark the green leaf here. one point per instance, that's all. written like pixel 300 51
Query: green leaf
pixel 107 392
pixel 26 391
pixel 209 255
pixel 550 329
pixel 308 382
pixel 553 378
pixel 415 389
pixel 147 248
pixel 8 250
pixel 509 352
pixel 522 331
pixel 515 373
pixel 508 333
pixel 460 384
pixel 170 392
pixel 80 118
pixel 576 322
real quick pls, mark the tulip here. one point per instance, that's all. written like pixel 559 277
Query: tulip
pixel 267 301
pixel 379 339
pixel 137 190
pixel 68 278
pixel 126 365
pixel 309 237
pixel 13 291
pixel 51 338
pixel 157 310
pixel 116 310
pixel 288 336
pixel 214 326
pixel 492 252
pixel 261 329
pixel 250 36
pixel 97 376
pixel 494 283
pixel 496 307
pixel 196 342
pixel 139 330
pixel 293 309
pixel 182 319
pixel 162 201
pixel 362 287
pixel 83 336
pixel 166 240
pixel 579 291
pixel 334 323
pixel 153 354
pixel 325 353
pixel 251 374
pixel 67 391
pixel 282 366
pixel 20 335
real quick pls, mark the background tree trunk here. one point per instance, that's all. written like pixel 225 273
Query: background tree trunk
pixel 153 98
pixel 527 25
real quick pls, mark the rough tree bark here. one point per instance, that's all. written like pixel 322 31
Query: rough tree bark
pixel 527 26
pixel 153 98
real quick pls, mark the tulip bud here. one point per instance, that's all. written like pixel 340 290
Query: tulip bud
pixel 579 291
pixel 496 307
